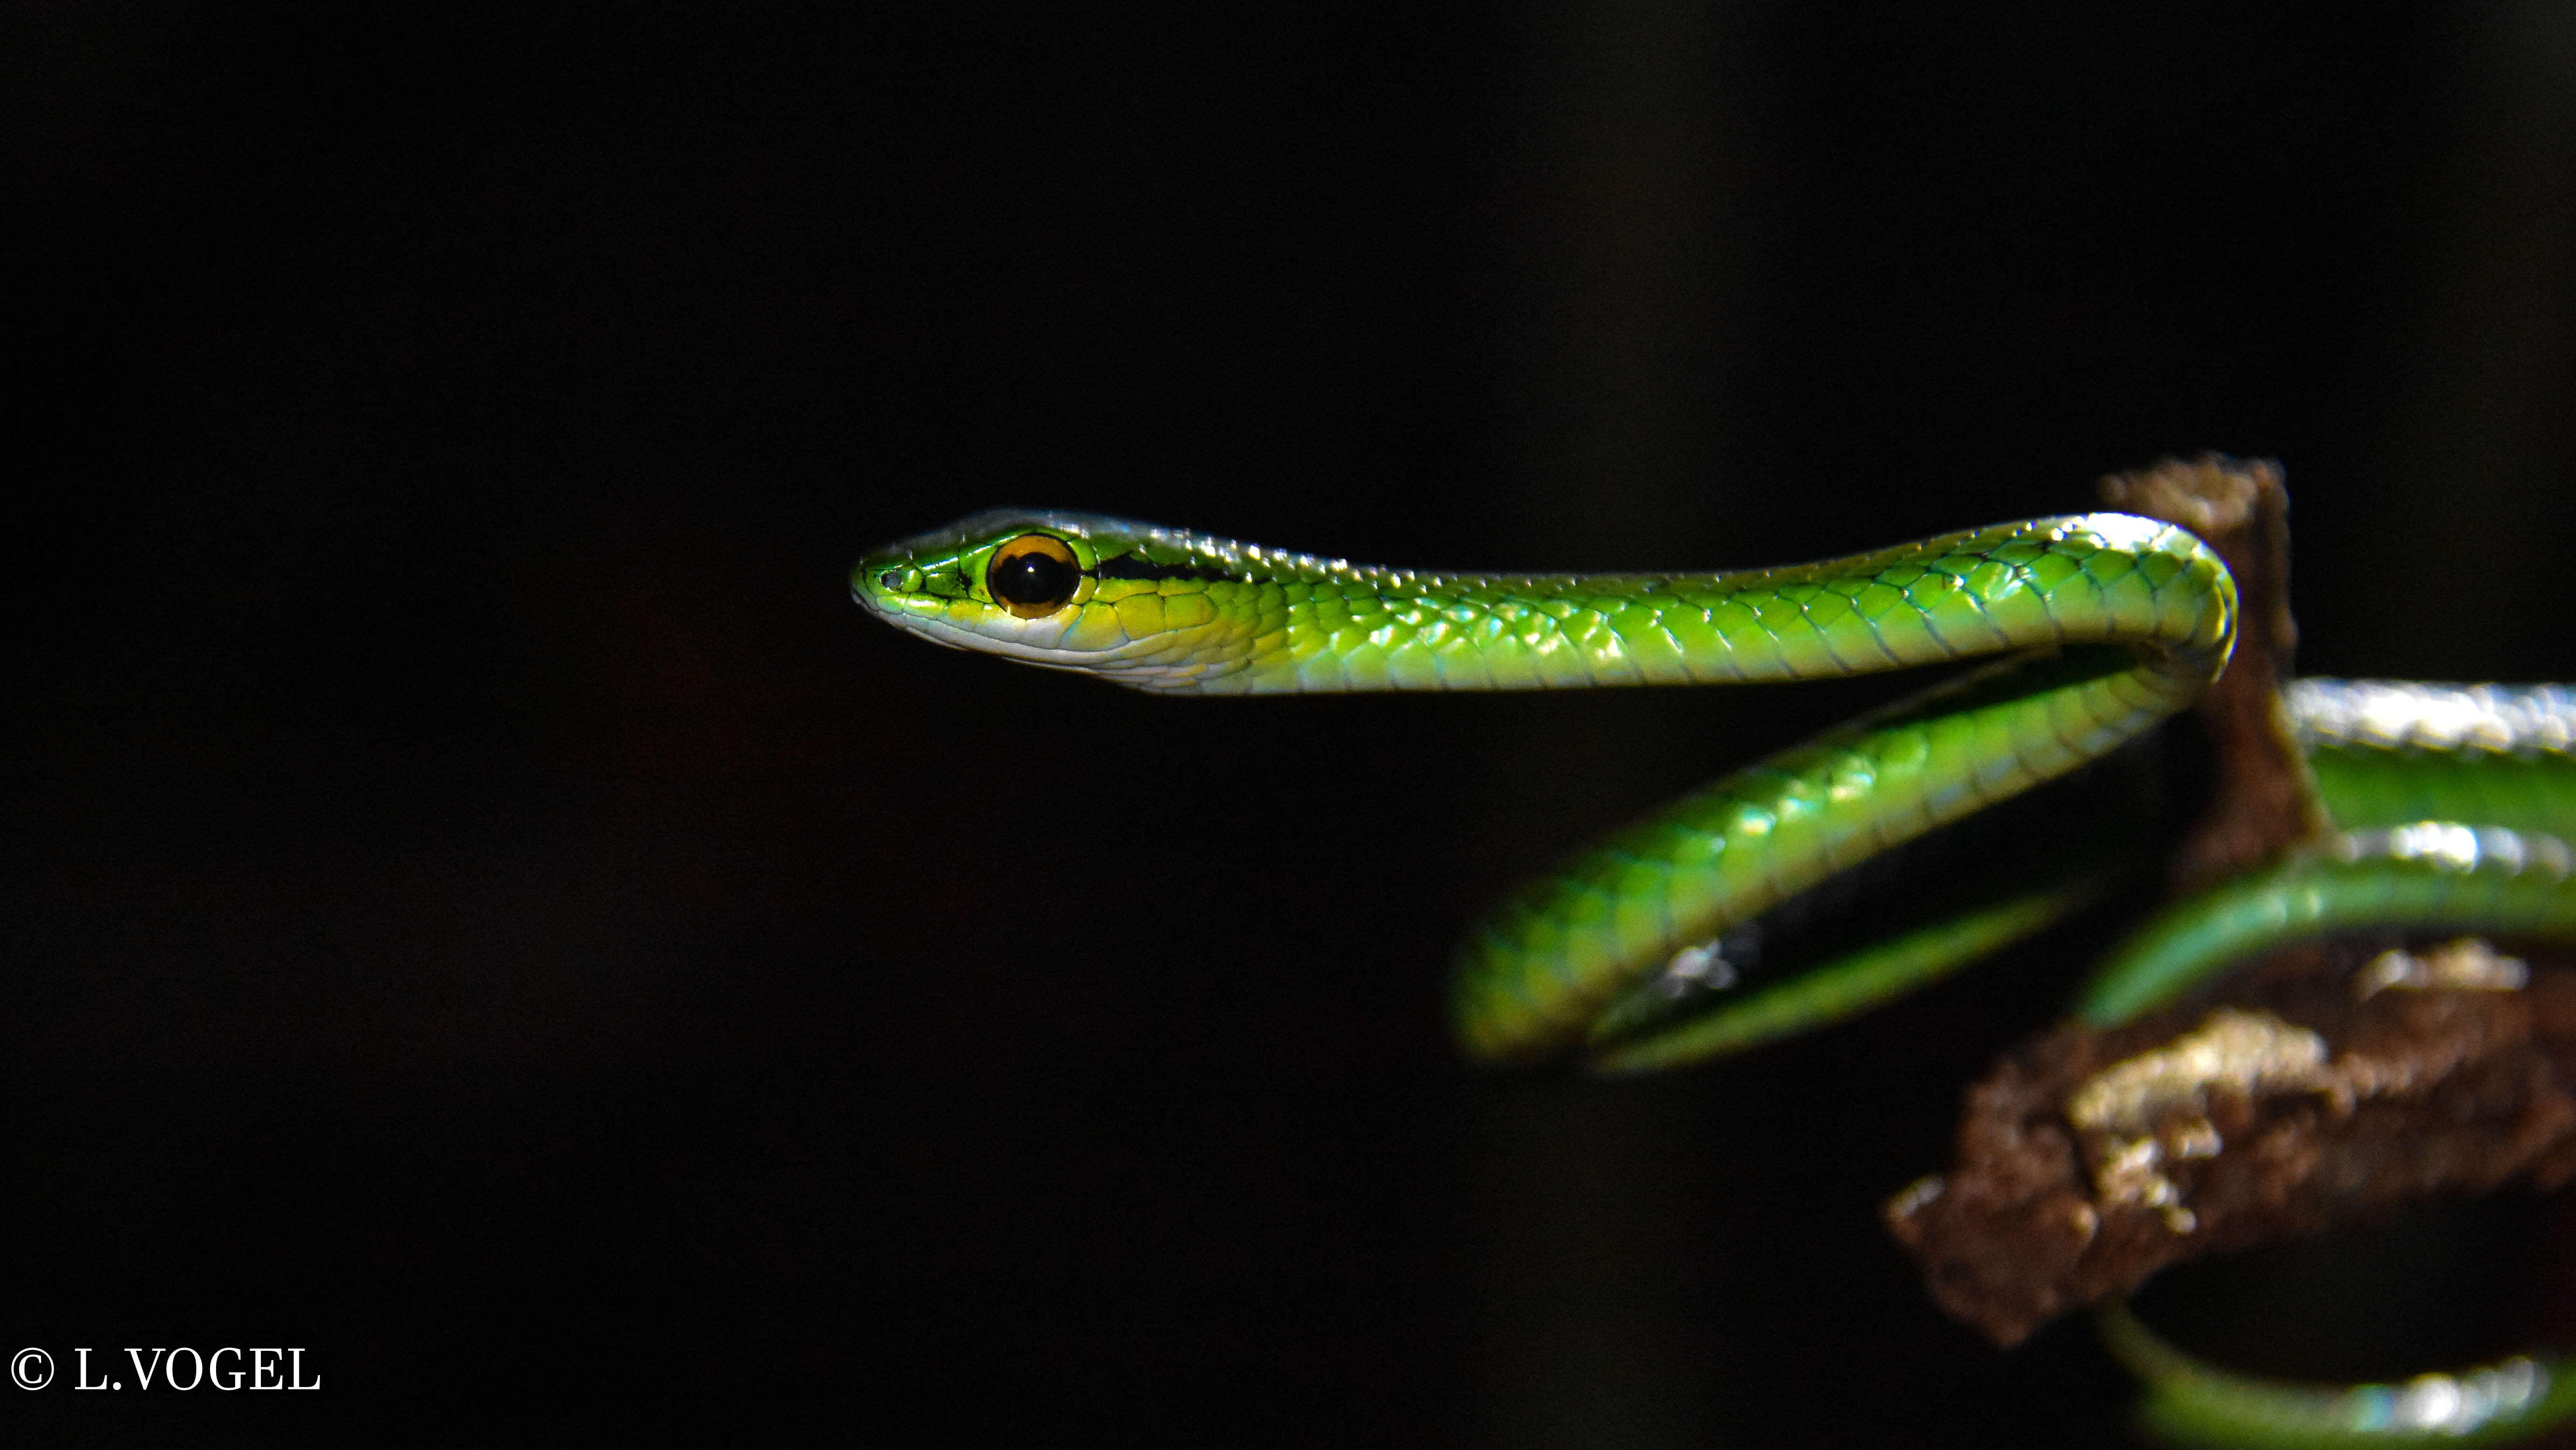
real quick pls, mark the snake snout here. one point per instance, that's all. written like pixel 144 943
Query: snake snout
pixel 881 581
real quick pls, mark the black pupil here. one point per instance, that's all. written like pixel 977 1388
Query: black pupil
pixel 1033 580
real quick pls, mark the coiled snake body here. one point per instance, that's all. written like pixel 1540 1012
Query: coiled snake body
pixel 2450 804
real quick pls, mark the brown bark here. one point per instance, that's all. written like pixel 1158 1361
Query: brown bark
pixel 2411 1093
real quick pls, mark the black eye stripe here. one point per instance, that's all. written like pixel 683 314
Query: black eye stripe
pixel 1134 566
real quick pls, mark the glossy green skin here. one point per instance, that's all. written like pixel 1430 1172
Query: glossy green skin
pixel 2451 805
pixel 2430 876
pixel 1547 971
pixel 2193 1403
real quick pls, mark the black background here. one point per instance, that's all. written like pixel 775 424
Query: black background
pixel 490 911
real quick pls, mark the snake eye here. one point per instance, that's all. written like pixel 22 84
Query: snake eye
pixel 1033 575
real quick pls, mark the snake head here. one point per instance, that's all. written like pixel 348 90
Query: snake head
pixel 1129 602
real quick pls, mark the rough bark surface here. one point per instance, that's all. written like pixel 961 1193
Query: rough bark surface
pixel 2415 1092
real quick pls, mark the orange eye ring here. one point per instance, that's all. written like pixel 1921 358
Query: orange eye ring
pixel 1033 575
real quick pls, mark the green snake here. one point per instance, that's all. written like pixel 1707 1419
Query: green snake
pixel 2450 803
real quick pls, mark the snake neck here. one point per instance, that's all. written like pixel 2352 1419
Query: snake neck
pixel 1219 618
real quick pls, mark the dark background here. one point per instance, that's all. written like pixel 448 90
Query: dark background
pixel 489 911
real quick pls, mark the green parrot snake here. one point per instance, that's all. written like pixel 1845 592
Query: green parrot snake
pixel 2450 805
